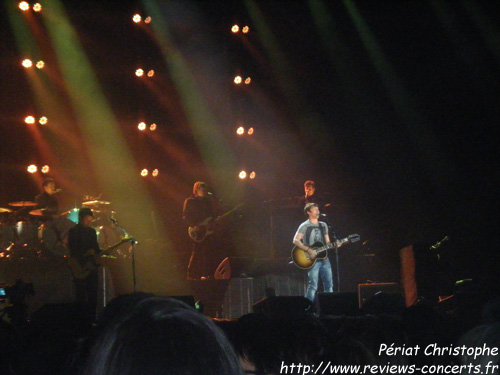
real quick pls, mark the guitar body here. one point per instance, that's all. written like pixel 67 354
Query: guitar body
pixel 89 262
pixel 302 260
pixel 301 257
pixel 208 226
pixel 204 229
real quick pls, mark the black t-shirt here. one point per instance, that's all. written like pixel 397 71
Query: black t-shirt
pixel 48 201
pixel 81 239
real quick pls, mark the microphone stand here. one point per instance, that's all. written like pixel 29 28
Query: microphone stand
pixel 132 242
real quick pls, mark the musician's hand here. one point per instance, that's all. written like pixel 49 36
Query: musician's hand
pixel 196 228
pixel 338 244
pixel 312 253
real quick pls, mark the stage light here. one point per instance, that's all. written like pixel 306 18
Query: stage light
pixel 155 172
pixel 136 18
pixel 248 80
pixel 250 131
pixel 152 127
pixel 37 7
pixel 40 64
pixel 235 29
pixel 144 172
pixel 243 175
pixel 141 126
pixel 24 6
pixel 139 72
pixel 27 63
pixel 45 169
pixel 245 30
pixel 240 130
pixel 32 168
pixel 147 20
pixel 252 175
pixel 43 120
pixel 29 120
pixel 151 73
pixel 237 80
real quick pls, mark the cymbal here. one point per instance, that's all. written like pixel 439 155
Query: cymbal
pixel 94 203
pixel 5 210
pixel 23 204
pixel 40 212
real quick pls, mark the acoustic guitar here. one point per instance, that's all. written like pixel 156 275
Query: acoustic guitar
pixel 81 269
pixel 302 259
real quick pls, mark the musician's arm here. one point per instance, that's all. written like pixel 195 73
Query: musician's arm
pixel 187 213
pixel 297 241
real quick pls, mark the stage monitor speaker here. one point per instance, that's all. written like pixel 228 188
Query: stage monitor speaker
pixel 188 300
pixel 233 267
pixel 282 305
pixel 337 303
pixel 366 291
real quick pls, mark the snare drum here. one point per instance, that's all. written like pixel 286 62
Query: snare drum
pixel 54 235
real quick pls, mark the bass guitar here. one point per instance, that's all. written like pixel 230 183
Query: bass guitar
pixel 202 230
pixel 302 259
pixel 82 267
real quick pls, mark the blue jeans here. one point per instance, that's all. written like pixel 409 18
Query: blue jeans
pixel 321 268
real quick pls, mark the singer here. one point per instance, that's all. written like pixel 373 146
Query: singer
pixel 47 199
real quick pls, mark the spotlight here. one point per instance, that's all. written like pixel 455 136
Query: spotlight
pixel 252 175
pixel 240 130
pixel 235 29
pixel 27 63
pixel 24 6
pixel 155 172
pixel 144 172
pixel 43 120
pixel 32 168
pixel 248 80
pixel 243 175
pixel 151 73
pixel 139 72
pixel 250 131
pixel 245 30
pixel 237 80
pixel 40 64
pixel 37 7
pixel 147 20
pixel 152 127
pixel 45 169
pixel 29 120
pixel 136 18
pixel 141 126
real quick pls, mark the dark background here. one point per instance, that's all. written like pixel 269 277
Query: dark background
pixel 390 106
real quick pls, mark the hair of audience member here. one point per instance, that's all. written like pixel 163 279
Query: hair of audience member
pixel 487 335
pixel 161 336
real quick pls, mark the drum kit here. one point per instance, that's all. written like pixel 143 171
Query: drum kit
pixel 31 232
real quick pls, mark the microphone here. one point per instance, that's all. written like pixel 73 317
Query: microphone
pixel 113 220
pixel 209 193
pixel 438 244
pixel 58 191
pixel 323 215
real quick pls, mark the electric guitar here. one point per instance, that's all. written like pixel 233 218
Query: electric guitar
pixel 81 269
pixel 202 230
pixel 302 259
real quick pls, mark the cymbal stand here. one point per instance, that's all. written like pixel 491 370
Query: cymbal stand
pixel 132 242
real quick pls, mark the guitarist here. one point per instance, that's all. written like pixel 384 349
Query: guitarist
pixel 82 238
pixel 309 232
pixel 206 255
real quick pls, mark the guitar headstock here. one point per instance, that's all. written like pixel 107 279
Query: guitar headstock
pixel 354 237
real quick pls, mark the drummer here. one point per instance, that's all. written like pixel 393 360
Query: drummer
pixel 47 199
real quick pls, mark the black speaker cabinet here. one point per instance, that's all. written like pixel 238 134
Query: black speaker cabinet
pixel 367 291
